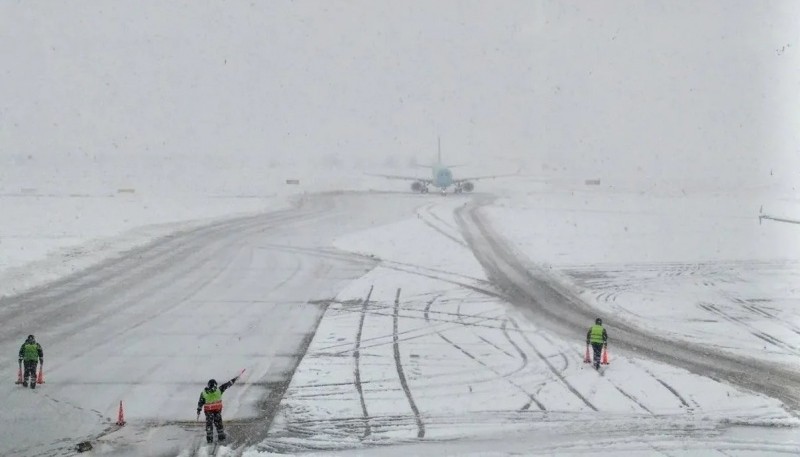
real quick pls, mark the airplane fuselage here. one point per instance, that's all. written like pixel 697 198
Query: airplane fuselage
pixel 442 177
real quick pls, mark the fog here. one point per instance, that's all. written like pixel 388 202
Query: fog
pixel 660 89
pixel 172 160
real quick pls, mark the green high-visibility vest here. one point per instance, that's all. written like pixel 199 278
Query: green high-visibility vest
pixel 596 334
pixel 213 400
pixel 30 352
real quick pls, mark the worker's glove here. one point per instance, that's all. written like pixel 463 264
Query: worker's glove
pixel 20 360
pixel 198 411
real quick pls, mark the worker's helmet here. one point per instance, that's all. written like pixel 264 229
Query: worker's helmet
pixel 598 321
pixel 212 383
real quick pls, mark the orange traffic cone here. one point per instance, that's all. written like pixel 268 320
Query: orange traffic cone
pixel 40 377
pixel 604 359
pixel 19 376
pixel 121 416
pixel 587 358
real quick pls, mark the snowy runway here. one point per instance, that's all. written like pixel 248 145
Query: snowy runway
pixel 425 348
pixel 151 327
pixel 365 322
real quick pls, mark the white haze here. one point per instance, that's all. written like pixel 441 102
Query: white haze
pixel 126 121
pixel 660 89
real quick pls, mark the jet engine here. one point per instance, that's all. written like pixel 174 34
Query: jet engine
pixel 468 187
pixel 417 186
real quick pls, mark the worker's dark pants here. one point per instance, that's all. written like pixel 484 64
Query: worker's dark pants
pixel 30 370
pixel 214 420
pixel 598 352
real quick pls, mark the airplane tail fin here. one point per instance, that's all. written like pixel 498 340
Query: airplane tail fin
pixel 439 148
pixel 438 163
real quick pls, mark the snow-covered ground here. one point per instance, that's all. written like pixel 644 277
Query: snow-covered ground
pixel 146 145
pixel 151 326
pixel 53 235
pixel 694 265
pixel 61 217
pixel 422 349
pixel 422 354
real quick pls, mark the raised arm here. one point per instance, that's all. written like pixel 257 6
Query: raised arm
pixel 225 386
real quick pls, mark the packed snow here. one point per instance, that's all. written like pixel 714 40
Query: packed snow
pixel 419 348
pixel 700 281
pixel 185 191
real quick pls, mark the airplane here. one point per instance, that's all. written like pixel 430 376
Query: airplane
pixel 441 178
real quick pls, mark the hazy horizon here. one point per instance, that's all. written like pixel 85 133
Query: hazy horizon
pixel 662 88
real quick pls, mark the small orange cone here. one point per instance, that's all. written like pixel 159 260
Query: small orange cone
pixel 121 416
pixel 604 359
pixel 19 376
pixel 587 358
pixel 40 377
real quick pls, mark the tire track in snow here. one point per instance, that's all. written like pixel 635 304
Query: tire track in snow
pixel 550 365
pixel 674 392
pixel 532 397
pixel 419 270
pixel 399 365
pixel 419 333
pixel 298 267
pixel 713 309
pixel 631 398
pixel 460 317
pixel 375 308
pixel 483 364
pixel 56 301
pixel 496 347
pixel 563 354
pixel 428 306
pixel 671 389
pixel 758 310
pixel 437 229
pixel 619 389
pixel 357 367
pixel 416 335
pixel 444 222
pixel 522 355
pixel 535 290
pixel 179 249
pixel 135 320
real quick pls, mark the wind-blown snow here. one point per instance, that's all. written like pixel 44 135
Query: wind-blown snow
pixel 670 89
pixel 124 122
pixel 696 266
pixel 447 361
pixel 59 222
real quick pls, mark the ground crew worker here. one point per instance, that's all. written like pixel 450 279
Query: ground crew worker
pixel 31 354
pixel 598 338
pixel 211 404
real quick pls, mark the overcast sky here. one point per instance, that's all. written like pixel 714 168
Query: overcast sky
pixel 653 87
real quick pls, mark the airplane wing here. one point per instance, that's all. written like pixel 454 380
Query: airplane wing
pixel 477 178
pixel 405 178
